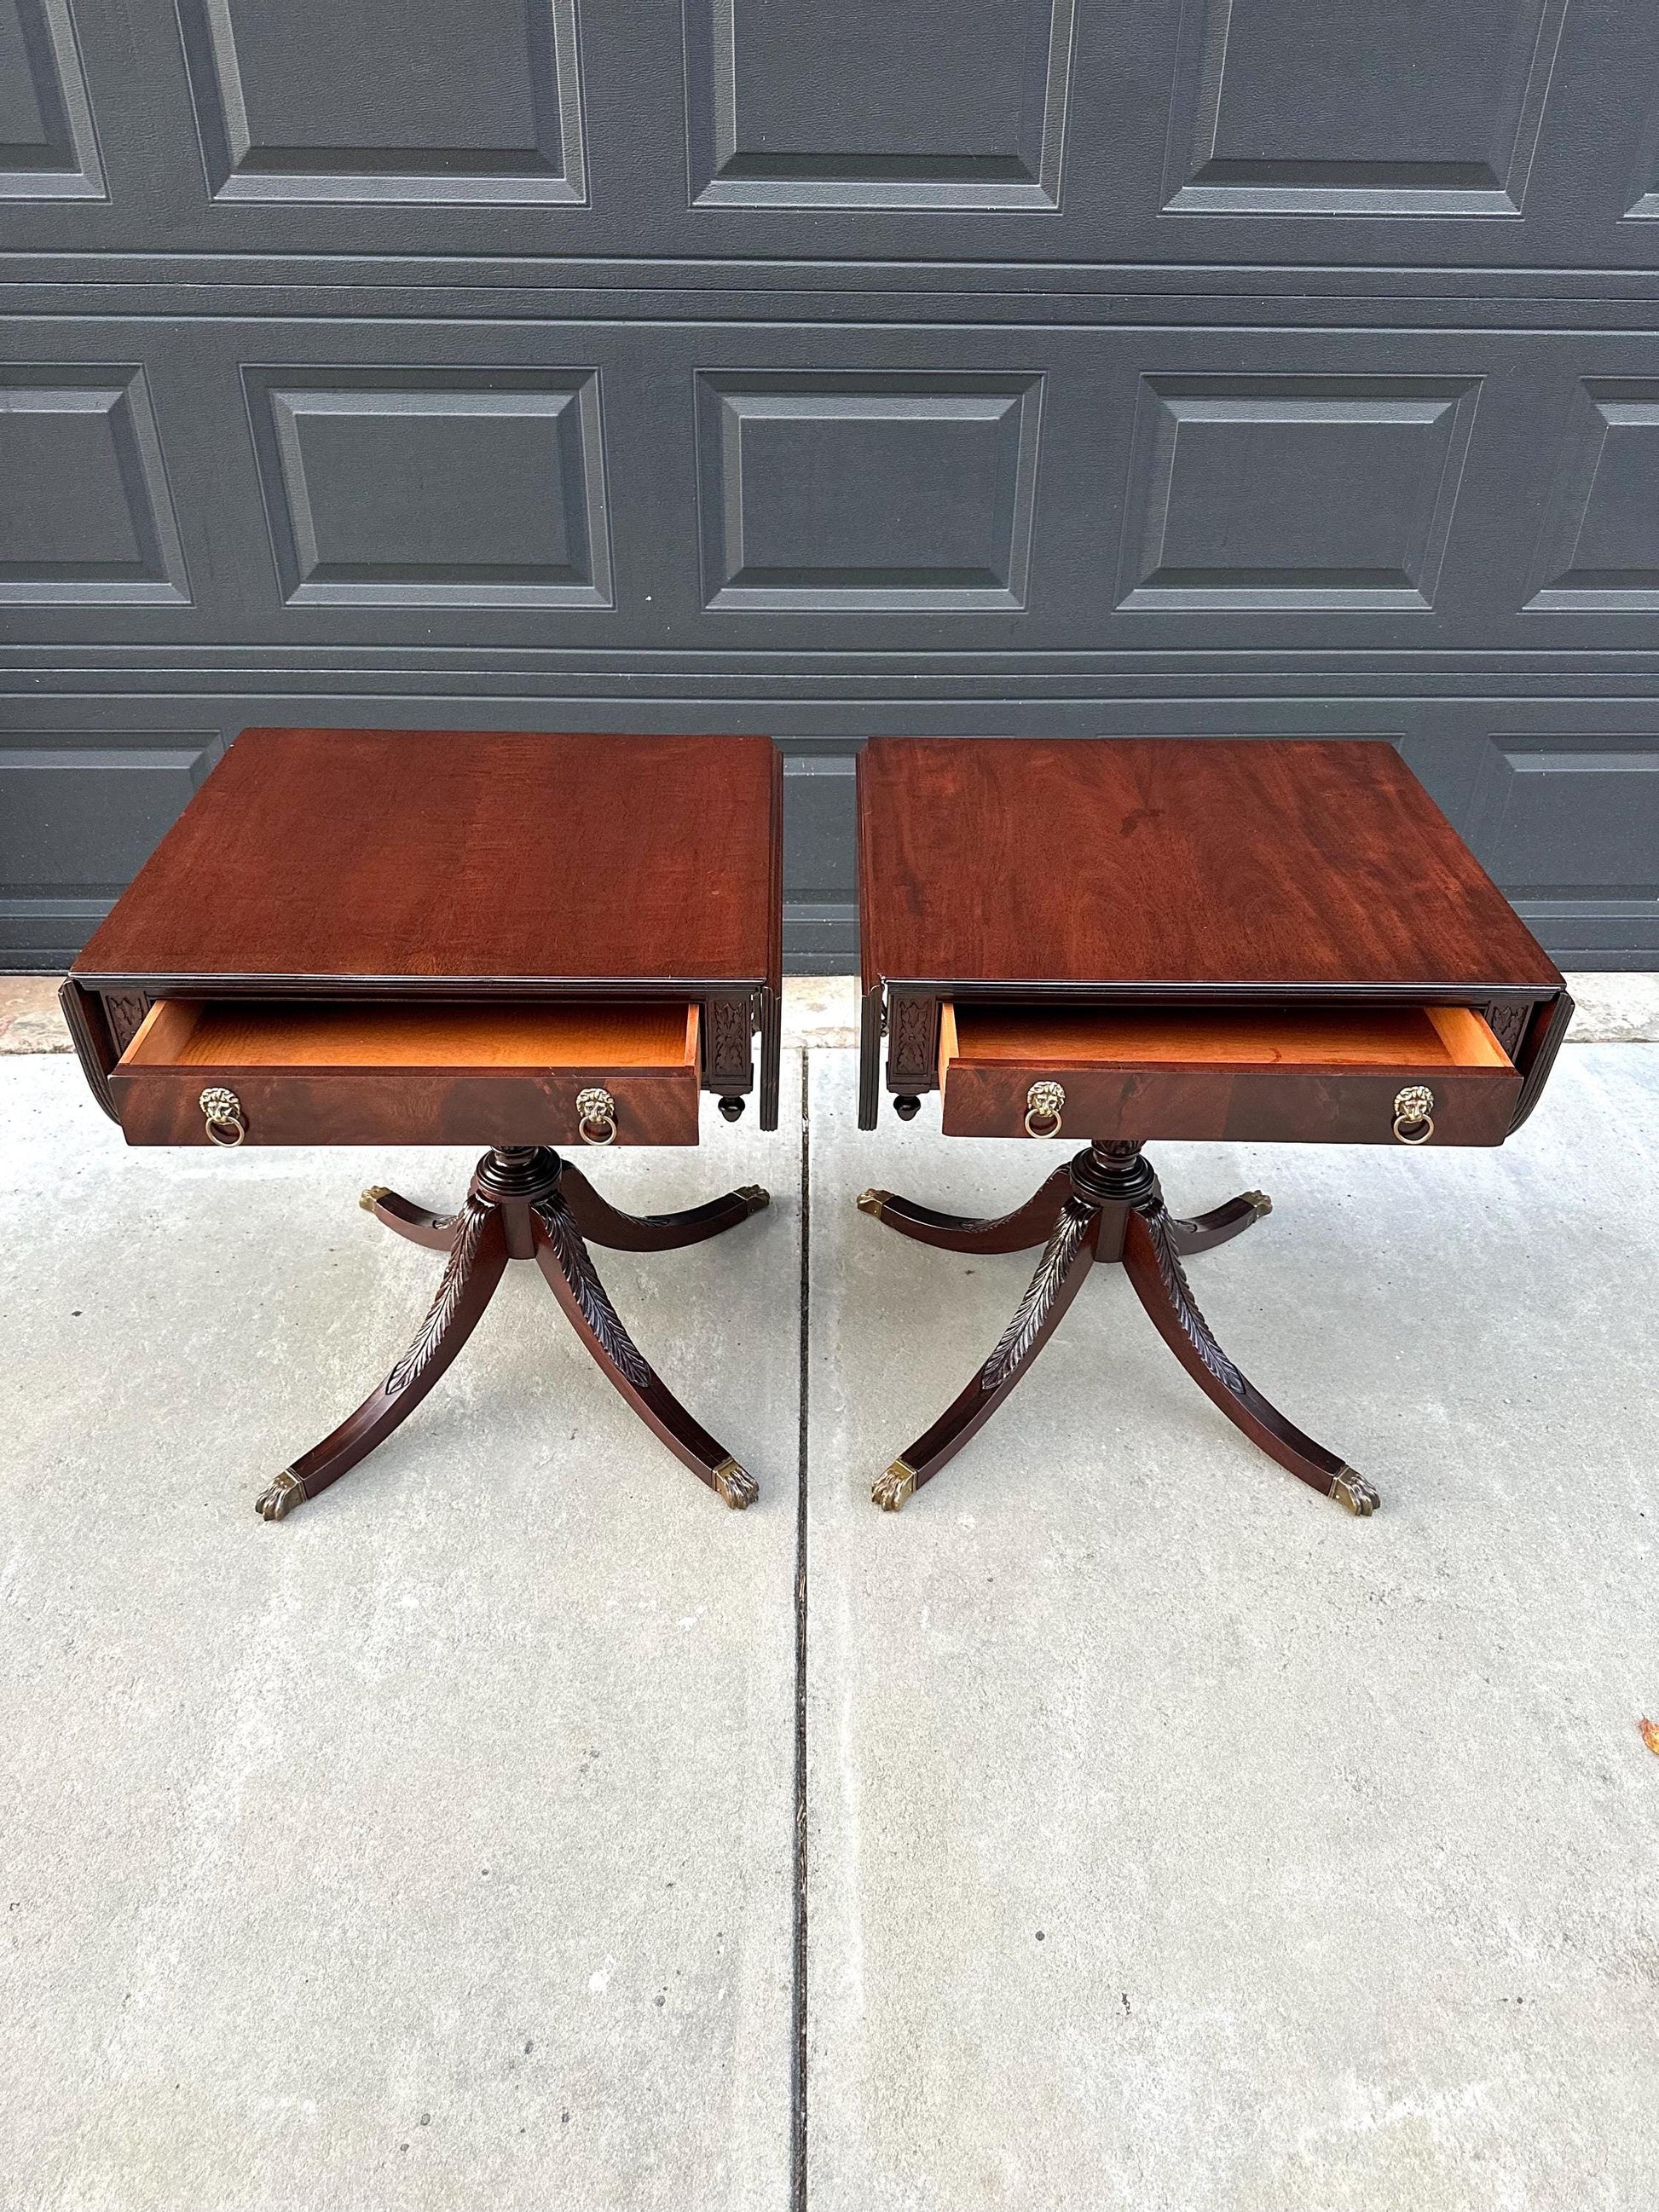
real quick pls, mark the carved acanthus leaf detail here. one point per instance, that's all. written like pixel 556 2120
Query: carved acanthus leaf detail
pixel 566 1242
pixel 1194 1326
pixel 1059 1255
pixel 462 1253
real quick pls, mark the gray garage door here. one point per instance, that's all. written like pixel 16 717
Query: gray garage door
pixel 822 367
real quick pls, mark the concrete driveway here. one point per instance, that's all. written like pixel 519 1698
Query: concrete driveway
pixel 1171 1839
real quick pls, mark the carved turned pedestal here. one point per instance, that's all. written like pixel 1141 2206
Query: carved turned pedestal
pixel 409 937
pixel 1130 939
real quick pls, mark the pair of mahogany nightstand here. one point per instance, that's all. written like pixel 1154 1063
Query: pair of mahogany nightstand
pixel 520 940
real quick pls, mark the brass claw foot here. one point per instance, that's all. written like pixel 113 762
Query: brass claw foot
pixel 285 1492
pixel 375 1190
pixel 890 1490
pixel 872 1202
pixel 735 1485
pixel 1260 1201
pixel 1353 1492
pixel 753 1197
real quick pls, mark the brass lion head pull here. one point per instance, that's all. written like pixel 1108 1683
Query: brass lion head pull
pixel 221 1110
pixel 1413 1112
pixel 596 1117
pixel 1043 1105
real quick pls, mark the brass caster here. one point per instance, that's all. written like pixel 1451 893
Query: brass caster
pixel 892 1490
pixel 284 1494
pixel 1353 1492
pixel 735 1485
pixel 872 1202
pixel 375 1190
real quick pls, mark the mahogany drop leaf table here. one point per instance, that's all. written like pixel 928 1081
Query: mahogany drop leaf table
pixel 358 937
pixel 1134 939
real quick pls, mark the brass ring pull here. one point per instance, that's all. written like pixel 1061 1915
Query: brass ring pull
pixel 1043 1103
pixel 596 1117
pixel 221 1110
pixel 1414 1115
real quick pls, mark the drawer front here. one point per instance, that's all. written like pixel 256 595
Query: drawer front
pixel 227 1072
pixel 1335 1106
pixel 406 1106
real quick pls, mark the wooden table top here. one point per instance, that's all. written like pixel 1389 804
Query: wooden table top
pixel 1182 862
pixel 476 856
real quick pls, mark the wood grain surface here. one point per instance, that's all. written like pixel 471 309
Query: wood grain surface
pixel 1173 862
pixel 422 854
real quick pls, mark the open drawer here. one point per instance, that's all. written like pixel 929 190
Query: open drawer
pixel 1343 1075
pixel 360 1072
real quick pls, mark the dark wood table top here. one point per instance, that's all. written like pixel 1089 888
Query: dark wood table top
pixel 355 855
pixel 1189 863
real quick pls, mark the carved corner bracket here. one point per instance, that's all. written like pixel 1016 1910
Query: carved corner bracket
pixel 728 1061
pixel 912 1040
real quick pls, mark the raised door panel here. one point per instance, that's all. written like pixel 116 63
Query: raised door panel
pixel 48 142
pixel 420 101
pixel 950 109
pixel 1293 494
pixel 838 491
pixel 87 517
pixel 442 488
pixel 1388 110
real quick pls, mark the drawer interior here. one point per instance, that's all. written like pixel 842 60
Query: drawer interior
pixel 1218 1036
pixel 344 1035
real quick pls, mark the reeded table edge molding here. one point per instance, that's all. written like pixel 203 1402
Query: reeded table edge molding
pixel 821 1013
